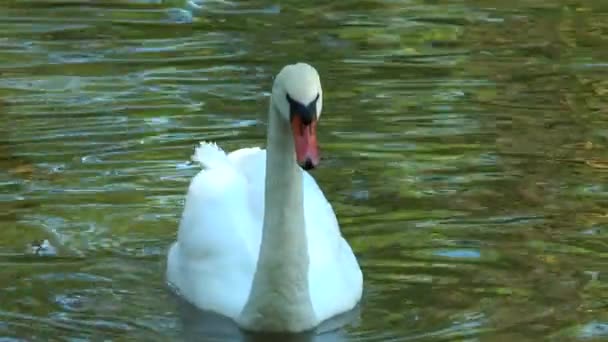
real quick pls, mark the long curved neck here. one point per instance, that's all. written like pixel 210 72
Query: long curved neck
pixel 279 299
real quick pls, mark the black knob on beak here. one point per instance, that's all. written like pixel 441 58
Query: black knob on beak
pixel 308 165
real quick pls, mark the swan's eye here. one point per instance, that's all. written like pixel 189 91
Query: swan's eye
pixel 307 113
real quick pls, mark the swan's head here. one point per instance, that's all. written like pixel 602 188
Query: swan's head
pixel 298 97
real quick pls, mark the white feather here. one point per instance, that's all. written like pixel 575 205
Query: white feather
pixel 209 155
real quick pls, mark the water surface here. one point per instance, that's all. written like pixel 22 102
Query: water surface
pixel 464 151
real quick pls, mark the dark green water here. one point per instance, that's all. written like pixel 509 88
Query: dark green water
pixel 465 148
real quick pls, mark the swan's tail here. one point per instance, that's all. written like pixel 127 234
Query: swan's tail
pixel 209 155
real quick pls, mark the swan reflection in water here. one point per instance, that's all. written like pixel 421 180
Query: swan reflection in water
pixel 197 325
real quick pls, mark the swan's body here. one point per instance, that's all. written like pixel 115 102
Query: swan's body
pixel 266 253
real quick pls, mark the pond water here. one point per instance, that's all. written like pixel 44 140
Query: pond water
pixel 465 148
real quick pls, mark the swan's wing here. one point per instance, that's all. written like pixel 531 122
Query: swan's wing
pixel 218 238
pixel 322 227
pixel 251 162
pixel 240 156
pixel 215 195
pixel 335 278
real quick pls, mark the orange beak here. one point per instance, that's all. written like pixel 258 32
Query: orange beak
pixel 305 138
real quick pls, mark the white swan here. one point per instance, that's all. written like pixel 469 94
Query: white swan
pixel 258 242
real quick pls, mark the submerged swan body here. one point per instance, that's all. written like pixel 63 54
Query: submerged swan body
pixel 258 241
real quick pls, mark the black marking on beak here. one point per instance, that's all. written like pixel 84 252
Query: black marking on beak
pixel 307 165
pixel 308 113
